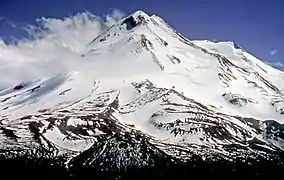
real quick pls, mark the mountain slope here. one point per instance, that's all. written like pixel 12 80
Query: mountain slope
pixel 146 95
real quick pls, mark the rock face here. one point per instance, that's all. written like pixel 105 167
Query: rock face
pixel 152 104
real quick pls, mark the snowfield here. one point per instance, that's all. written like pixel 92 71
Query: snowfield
pixel 137 76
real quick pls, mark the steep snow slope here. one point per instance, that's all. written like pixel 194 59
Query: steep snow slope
pixel 235 53
pixel 143 81
pixel 266 79
pixel 193 70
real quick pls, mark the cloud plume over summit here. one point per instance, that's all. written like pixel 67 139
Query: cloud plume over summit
pixel 53 47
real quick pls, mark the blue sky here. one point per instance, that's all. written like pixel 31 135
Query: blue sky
pixel 258 26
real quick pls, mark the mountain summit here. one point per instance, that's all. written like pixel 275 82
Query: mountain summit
pixel 148 99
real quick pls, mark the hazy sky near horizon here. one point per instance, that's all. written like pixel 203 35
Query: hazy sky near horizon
pixel 258 26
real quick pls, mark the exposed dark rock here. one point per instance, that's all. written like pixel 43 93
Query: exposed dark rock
pixel 63 92
pixel 19 87
pixel 34 89
pixel 6 99
pixel 9 133
pixel 237 99
pixel 174 59
pixel 237 46
pixel 130 23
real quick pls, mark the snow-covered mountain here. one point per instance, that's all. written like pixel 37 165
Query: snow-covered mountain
pixel 145 95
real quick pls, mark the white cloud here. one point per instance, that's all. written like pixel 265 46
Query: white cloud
pixel 4 20
pixel 13 25
pixel 114 16
pixel 273 51
pixel 54 47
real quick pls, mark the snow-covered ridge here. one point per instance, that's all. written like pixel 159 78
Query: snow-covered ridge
pixel 141 78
